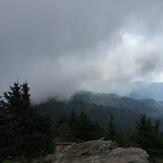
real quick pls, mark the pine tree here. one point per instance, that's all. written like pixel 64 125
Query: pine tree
pixel 13 97
pixel 63 119
pixel 148 134
pixel 86 129
pixel 65 133
pixel 112 129
pixel 111 132
pixel 26 131
pixel 141 125
pixel 7 132
pixel 73 119
pixel 25 95
pixel 157 126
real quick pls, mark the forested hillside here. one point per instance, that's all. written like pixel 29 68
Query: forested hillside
pixel 29 132
pixel 149 107
pixel 124 119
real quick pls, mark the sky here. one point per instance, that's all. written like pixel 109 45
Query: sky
pixel 63 46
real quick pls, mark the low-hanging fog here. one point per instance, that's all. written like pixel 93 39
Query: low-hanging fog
pixel 61 46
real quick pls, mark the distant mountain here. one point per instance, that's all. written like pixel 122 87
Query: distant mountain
pixel 123 119
pixel 100 106
pixel 144 90
pixel 149 107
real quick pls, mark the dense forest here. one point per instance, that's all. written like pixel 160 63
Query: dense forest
pixel 30 131
pixel 24 130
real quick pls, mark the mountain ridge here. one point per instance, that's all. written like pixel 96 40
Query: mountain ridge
pixel 148 106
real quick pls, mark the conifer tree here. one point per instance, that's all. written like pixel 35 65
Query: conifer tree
pixel 26 131
pixel 157 126
pixel 142 123
pixel 111 132
pixel 112 129
pixel 13 97
pixel 73 119
pixel 65 133
pixel 148 134
pixel 86 129
pixel 26 95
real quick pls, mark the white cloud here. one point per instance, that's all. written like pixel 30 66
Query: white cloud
pixel 62 46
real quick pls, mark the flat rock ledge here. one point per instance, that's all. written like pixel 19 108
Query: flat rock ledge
pixel 97 151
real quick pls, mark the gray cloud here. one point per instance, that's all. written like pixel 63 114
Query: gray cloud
pixel 61 46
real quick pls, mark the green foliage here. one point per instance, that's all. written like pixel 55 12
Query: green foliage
pixel 65 133
pixel 149 107
pixel 7 161
pixel 77 128
pixel 86 129
pixel 24 131
pixel 123 120
pixel 111 133
pixel 148 135
pixel 73 120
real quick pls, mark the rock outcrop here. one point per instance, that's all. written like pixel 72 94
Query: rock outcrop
pixel 97 151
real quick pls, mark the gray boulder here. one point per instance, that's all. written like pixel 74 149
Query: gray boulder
pixel 97 151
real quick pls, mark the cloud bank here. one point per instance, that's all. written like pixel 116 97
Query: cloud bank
pixel 61 46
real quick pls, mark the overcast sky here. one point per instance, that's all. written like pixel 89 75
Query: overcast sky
pixel 61 46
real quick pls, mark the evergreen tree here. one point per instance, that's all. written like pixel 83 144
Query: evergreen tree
pixel 86 129
pixel 111 132
pixel 63 119
pixel 25 95
pixel 157 126
pixel 63 130
pixel 64 133
pixel 141 125
pixel 73 120
pixel 7 132
pixel 25 131
pixel 148 134
pixel 13 97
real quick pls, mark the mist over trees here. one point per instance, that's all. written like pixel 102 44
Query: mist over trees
pixel 146 131
pixel 27 130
